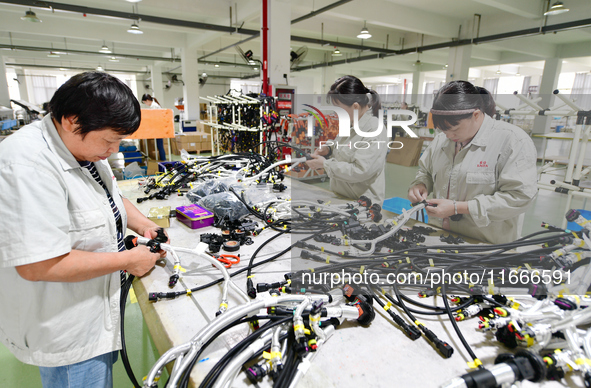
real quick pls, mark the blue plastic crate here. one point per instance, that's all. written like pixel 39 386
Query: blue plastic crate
pixel 575 227
pixel 397 204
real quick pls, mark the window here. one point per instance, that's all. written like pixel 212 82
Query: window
pixel 491 85
pixel 581 92
pixel 44 86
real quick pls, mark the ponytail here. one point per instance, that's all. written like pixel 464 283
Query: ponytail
pixel 374 102
pixel 348 90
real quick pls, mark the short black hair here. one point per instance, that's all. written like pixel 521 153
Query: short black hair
pixel 98 101
pixel 461 95
pixel 147 97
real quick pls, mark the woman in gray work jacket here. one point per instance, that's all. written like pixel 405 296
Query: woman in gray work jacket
pixel 355 164
pixel 481 171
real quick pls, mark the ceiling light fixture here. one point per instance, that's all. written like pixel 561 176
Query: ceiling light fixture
pixel 337 52
pixel 556 9
pixel 499 71
pixel 518 74
pixel 204 75
pixel 99 68
pixel 133 1
pixel 135 29
pixel 113 59
pixel 30 17
pixel 364 34
pixel 255 68
pixel 216 65
pixel 105 49
pixel 53 54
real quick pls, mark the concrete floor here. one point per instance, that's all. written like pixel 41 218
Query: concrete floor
pixel 548 207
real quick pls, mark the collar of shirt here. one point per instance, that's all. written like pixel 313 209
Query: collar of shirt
pixel 56 144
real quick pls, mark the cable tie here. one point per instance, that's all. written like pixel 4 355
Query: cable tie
pixel 491 285
pixel 179 268
pixel 250 277
pixel 418 323
pixel 266 355
pixel 322 249
pixel 327 259
pixel 189 292
pixel 408 259
pixel 362 269
pixel 223 304
pixel 387 307
pixel 431 263
pixel 578 255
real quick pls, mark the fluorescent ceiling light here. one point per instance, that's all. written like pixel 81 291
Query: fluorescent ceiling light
pixel 556 9
pixel 133 1
pixel 31 17
pixel 134 29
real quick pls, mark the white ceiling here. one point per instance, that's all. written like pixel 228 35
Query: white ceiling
pixel 402 24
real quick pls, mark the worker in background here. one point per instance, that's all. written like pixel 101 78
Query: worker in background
pixel 62 249
pixel 151 102
pixel 355 164
pixel 481 171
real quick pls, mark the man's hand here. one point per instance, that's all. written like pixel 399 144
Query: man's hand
pixel 418 193
pixel 316 162
pixel 141 260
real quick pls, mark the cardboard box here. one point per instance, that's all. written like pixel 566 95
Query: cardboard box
pixel 152 167
pixel 192 142
pixel 160 215
pixel 409 154
pixel 151 149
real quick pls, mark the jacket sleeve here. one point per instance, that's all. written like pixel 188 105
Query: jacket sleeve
pixel 424 175
pixel 366 164
pixel 517 186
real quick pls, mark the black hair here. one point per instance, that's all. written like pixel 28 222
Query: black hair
pixel 461 95
pixel 348 90
pixel 147 97
pixel 97 101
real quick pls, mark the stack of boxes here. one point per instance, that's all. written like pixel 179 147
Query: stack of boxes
pixel 191 142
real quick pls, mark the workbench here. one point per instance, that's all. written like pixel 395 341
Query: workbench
pixel 380 355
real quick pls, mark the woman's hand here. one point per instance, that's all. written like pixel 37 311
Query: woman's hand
pixel 317 162
pixel 321 151
pixel 418 193
pixel 444 208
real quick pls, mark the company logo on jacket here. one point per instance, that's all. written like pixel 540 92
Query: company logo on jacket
pixel 482 164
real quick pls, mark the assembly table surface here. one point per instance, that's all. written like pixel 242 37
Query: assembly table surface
pixel 380 355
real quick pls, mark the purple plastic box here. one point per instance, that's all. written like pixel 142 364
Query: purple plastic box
pixel 194 216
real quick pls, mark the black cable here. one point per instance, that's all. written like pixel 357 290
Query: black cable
pixel 124 358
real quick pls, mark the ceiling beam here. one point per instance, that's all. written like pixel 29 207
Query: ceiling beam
pixel 321 10
pixel 526 9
